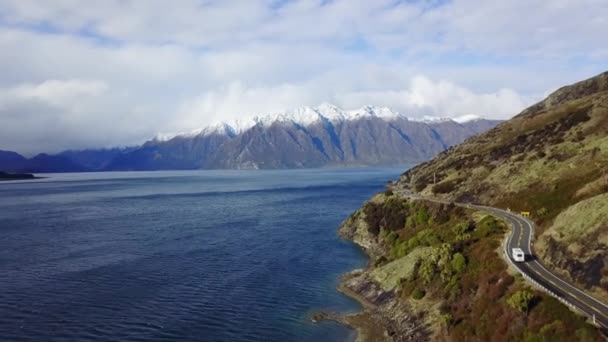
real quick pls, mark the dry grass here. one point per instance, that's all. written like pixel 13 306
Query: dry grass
pixel 390 275
pixel 581 220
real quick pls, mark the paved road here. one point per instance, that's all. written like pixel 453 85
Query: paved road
pixel 521 236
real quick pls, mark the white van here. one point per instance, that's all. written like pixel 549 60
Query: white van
pixel 518 255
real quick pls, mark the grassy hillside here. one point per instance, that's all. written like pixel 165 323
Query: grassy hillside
pixel 443 262
pixel 551 160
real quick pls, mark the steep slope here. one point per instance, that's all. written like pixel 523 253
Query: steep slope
pixel 438 264
pixel 305 137
pixel 49 163
pixel 550 160
pixel 94 159
pixel 441 263
pixel 179 153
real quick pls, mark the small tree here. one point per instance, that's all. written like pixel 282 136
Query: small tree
pixel 427 270
pixel 521 300
pixel 461 231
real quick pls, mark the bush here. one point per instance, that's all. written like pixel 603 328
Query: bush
pixel 418 294
pixel 444 187
pixel 542 212
pixel 413 243
pixel 521 300
pixel 459 263
pixel 422 217
pixel 390 215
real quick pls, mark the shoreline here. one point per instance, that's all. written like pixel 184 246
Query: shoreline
pixel 363 324
pixel 384 316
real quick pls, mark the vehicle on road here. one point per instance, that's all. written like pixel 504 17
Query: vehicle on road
pixel 518 255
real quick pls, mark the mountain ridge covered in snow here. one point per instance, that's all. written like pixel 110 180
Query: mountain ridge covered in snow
pixel 305 137
pixel 307 116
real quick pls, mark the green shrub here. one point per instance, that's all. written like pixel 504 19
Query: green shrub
pixel 542 212
pixel 459 263
pixel 521 300
pixel 422 217
pixel 418 294
pixel 413 243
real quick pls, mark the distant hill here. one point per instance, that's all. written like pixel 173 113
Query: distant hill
pixel 13 162
pixel 94 159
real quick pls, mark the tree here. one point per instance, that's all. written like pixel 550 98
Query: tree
pixel 461 231
pixel 521 300
pixel 427 270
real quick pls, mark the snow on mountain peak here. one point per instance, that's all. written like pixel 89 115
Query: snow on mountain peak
pixel 437 119
pixel 306 116
pixel 467 118
pixel 431 119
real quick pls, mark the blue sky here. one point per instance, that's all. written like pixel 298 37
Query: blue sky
pixel 119 72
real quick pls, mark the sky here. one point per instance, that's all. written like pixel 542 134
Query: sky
pixel 118 72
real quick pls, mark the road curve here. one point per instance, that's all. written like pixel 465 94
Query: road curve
pixel 521 237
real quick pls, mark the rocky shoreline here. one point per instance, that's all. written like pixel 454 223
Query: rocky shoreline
pixel 384 317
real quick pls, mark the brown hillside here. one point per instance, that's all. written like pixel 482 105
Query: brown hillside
pixel 546 160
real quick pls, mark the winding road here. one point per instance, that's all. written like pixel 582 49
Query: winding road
pixel 521 237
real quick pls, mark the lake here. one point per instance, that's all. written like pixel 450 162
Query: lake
pixel 179 255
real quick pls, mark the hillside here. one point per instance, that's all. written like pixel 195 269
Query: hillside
pixel 551 160
pixel 435 273
pixel 15 163
pixel 441 264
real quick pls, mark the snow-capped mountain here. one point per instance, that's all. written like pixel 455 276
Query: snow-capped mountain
pixel 303 137
pixel 306 116
pixel 306 137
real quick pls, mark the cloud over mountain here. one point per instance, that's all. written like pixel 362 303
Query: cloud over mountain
pixel 118 72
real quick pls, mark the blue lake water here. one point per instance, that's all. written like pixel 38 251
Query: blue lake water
pixel 189 255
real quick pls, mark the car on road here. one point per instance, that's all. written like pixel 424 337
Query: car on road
pixel 518 255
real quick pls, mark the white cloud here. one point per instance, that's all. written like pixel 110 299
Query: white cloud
pixel 427 97
pixel 62 93
pixel 117 72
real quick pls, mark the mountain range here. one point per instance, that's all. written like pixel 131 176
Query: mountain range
pixel 306 137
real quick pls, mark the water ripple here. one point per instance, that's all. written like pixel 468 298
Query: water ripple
pixel 125 259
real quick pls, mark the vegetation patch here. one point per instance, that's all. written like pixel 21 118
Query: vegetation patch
pixel 445 257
